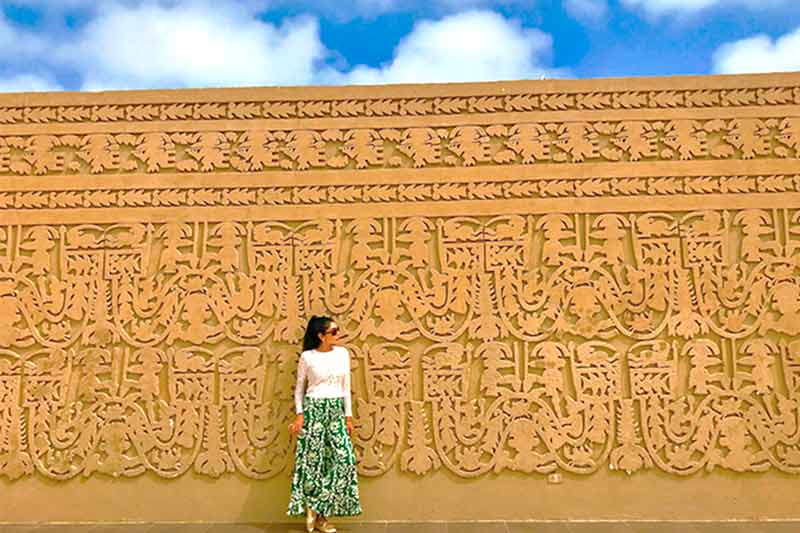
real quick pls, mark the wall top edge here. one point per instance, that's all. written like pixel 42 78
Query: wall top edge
pixel 495 88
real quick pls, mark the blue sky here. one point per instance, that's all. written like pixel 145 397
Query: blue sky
pixel 136 44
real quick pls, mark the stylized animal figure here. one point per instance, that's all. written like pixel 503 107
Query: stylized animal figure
pixel 155 150
pixel 365 147
pixel 749 135
pixel 471 144
pixel 305 148
pixel 530 141
pixel 422 145
pixel 40 153
pixel 789 137
pixel 686 137
pixel 259 149
pixel 578 140
pixel 635 138
pixel 211 149
pixel 100 151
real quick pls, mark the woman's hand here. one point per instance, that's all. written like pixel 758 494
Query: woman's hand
pixel 297 425
pixel 350 427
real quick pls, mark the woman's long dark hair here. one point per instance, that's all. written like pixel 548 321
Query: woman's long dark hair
pixel 316 326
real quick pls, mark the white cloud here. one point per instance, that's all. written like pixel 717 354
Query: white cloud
pixel 373 8
pixel 26 48
pixel 24 83
pixel 23 43
pixel 130 44
pixel 470 46
pixel 197 45
pixel 53 4
pixel 587 10
pixel 759 54
pixel 330 8
pixel 660 7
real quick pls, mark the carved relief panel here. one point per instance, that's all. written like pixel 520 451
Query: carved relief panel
pixel 519 292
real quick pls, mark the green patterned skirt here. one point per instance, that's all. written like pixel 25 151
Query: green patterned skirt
pixel 325 475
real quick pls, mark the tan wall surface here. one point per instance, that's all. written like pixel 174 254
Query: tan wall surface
pixel 592 279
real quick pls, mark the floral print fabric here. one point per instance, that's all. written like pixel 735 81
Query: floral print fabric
pixel 325 475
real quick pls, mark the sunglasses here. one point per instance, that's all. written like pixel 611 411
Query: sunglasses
pixel 332 331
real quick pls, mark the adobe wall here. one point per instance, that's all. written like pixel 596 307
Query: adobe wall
pixel 563 299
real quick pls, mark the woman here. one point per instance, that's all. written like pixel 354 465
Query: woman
pixel 325 482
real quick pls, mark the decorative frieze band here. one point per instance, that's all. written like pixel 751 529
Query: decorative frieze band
pixel 401 107
pixel 437 192
pixel 423 147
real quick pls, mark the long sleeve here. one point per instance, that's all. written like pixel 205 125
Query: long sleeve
pixel 348 404
pixel 299 388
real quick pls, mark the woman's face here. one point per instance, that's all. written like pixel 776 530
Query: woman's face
pixel 331 334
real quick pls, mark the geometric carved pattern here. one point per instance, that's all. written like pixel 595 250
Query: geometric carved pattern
pixel 624 294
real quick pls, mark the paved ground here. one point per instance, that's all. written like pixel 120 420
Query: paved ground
pixel 449 527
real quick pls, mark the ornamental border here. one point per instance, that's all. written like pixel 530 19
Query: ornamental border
pixel 281 150
pixel 402 107
pixel 406 192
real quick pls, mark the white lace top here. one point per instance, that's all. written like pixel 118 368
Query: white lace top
pixel 327 374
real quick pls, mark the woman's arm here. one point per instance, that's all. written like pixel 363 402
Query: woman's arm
pixel 300 386
pixel 348 405
pixel 346 395
pixel 299 392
